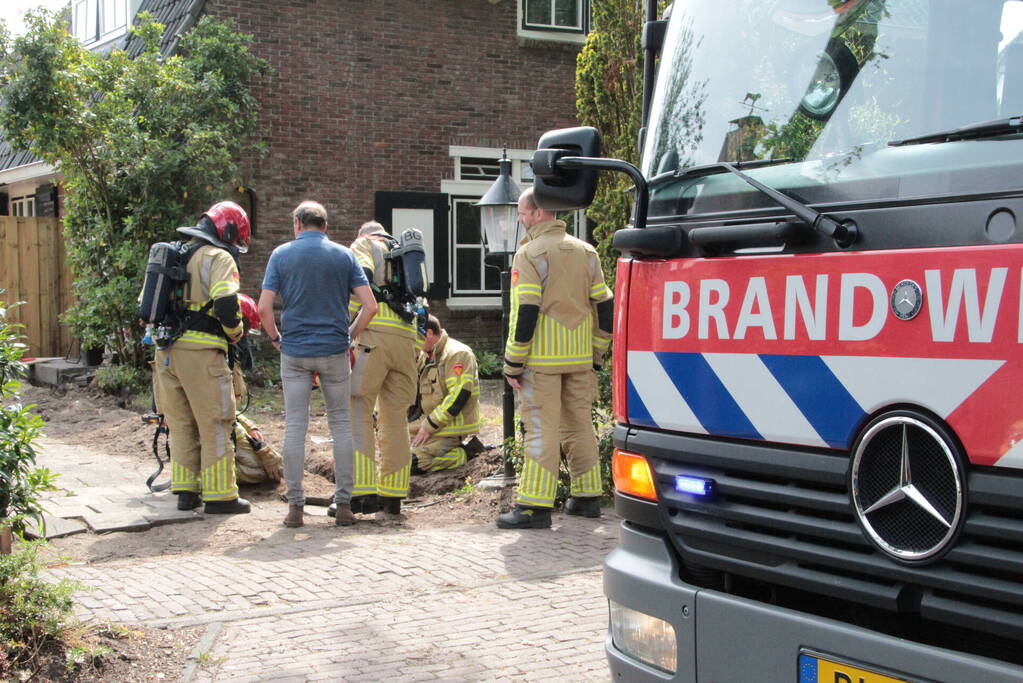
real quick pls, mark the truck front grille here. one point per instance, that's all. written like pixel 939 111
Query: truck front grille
pixel 783 517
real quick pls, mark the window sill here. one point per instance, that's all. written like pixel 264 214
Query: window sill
pixel 476 302
pixel 531 36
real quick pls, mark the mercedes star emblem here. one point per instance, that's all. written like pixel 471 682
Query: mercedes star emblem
pixel 911 515
pixel 907 300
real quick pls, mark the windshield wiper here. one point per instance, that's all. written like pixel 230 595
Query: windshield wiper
pixel 711 169
pixel 972 131
pixel 844 234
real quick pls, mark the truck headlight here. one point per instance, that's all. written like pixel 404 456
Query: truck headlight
pixel 646 638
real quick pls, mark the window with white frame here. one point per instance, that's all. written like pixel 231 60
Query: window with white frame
pixel 476 276
pixel 97 21
pixel 561 16
pixel 23 206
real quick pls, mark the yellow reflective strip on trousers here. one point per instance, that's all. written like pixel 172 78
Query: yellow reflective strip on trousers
pixel 183 479
pixel 589 483
pixel 365 475
pixel 450 460
pixel 537 486
pixel 395 484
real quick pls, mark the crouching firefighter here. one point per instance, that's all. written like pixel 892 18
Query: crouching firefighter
pixel 191 298
pixel 448 401
pixel 560 328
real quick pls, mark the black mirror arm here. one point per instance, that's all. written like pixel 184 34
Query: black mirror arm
pixel 642 190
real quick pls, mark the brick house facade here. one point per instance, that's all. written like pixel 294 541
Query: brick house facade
pixel 372 104
pixel 396 111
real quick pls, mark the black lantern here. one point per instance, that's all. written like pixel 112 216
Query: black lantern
pixel 499 212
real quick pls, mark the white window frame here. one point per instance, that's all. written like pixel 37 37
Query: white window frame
pixel 95 12
pixel 471 190
pixel 23 206
pixel 551 32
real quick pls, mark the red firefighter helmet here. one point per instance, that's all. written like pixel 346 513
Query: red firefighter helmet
pixel 225 223
pixel 249 311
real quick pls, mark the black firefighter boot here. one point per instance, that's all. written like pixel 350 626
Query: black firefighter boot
pixel 188 500
pixel 238 506
pixel 522 517
pixel 363 505
pixel 583 507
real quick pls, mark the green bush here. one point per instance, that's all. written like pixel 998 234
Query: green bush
pixel 122 380
pixel 33 613
pixel 489 364
pixel 21 481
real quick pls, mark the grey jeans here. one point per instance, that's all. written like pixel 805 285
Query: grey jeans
pixel 297 380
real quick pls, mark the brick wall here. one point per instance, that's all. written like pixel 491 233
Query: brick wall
pixel 368 96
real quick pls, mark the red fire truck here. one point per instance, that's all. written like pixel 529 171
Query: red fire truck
pixel 818 352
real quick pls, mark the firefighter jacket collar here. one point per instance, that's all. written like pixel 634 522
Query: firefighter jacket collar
pixel 543 227
pixel 438 348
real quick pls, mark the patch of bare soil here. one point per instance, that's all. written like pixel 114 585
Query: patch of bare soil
pixel 116 654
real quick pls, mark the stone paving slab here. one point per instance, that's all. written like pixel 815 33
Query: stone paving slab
pixel 55 527
pixel 107 493
pixel 106 522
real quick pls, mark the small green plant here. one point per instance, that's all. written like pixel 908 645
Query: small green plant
pixel 489 364
pixel 34 613
pixel 464 489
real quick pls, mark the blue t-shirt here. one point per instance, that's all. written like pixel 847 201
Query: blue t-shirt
pixel 314 278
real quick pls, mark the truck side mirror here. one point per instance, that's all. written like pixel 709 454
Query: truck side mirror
pixel 557 188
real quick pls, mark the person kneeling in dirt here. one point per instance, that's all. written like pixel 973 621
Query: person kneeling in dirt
pixel 448 400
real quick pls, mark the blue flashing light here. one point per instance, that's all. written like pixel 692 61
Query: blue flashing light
pixel 696 486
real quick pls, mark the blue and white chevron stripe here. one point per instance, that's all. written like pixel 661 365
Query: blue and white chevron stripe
pixel 806 400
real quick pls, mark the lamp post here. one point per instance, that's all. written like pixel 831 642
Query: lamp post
pixel 502 232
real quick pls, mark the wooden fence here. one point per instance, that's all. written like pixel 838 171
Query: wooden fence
pixel 33 269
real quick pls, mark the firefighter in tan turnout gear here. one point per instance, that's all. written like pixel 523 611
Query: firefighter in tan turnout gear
pixel 560 328
pixel 194 387
pixel 449 401
pixel 384 376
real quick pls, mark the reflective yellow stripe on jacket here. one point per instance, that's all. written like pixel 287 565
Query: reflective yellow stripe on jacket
pixel 204 339
pixel 455 426
pixel 386 320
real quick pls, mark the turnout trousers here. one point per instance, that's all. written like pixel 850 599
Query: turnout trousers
pixel 195 393
pixel 441 453
pixel 383 376
pixel 556 414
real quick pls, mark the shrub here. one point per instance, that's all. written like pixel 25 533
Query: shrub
pixel 34 613
pixel 21 481
pixel 122 380
pixel 489 364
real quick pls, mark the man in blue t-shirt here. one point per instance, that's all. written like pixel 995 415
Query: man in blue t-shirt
pixel 314 278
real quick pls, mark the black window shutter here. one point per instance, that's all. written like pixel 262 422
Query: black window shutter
pixel 387 201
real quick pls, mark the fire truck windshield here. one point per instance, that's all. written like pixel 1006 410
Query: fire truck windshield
pixel 822 87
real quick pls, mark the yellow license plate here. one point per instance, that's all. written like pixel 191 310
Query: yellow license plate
pixel 817 669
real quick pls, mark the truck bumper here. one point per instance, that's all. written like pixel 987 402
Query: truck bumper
pixel 721 638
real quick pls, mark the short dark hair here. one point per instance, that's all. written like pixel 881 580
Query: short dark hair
pixel 433 324
pixel 311 215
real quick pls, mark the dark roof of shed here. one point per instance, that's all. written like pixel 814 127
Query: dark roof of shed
pixel 176 15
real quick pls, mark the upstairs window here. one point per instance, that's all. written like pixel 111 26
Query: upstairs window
pixel 554 15
pixel 97 21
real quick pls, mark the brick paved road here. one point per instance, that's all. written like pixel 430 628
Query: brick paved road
pixel 374 604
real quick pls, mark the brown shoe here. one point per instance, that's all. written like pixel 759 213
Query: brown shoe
pixel 344 516
pixel 294 518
